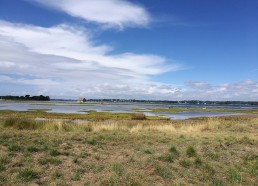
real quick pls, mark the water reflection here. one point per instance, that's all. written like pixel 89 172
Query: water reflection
pixel 73 107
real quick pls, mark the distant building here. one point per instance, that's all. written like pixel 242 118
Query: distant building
pixel 81 100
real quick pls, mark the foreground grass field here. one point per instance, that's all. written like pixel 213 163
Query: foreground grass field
pixel 207 151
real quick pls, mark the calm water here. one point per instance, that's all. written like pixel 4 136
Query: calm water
pixel 73 107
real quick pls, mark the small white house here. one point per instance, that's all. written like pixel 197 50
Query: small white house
pixel 81 100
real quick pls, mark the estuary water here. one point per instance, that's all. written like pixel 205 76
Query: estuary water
pixel 118 107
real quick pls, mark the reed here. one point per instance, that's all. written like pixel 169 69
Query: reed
pixel 185 126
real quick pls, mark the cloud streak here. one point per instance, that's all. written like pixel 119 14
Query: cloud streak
pixel 111 13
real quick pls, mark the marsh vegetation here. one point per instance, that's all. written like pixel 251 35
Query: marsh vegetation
pixel 204 151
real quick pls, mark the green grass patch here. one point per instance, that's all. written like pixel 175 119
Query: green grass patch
pixel 14 148
pixel 117 168
pixel 190 151
pixel 3 161
pixel 163 171
pixel 50 160
pixel 27 175
pixel 185 163
pixel 167 157
pixel 234 176
pixel 58 175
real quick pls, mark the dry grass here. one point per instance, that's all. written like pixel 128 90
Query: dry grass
pixel 214 124
pixel 208 151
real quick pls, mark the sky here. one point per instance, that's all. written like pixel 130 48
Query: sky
pixel 130 49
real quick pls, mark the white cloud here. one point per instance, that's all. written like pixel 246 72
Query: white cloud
pixel 118 13
pixel 243 90
pixel 65 41
pixel 62 61
pixel 198 85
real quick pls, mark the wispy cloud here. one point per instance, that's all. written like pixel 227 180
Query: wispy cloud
pixel 243 90
pixel 198 85
pixel 64 60
pixel 114 13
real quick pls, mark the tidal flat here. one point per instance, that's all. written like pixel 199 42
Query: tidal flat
pixel 200 151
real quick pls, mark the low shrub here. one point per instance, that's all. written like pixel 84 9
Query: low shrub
pixel 138 116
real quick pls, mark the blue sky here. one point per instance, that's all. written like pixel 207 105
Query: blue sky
pixel 140 49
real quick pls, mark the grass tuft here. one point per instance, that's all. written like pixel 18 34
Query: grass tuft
pixel 117 168
pixel 50 160
pixel 173 150
pixel 185 163
pixel 163 171
pixel 3 161
pixel 190 151
pixel 198 161
pixel 54 152
pixel 234 176
pixel 27 175
pixel 14 148
pixel 167 158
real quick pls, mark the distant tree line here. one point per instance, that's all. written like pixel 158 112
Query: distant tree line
pixel 26 98
pixel 177 102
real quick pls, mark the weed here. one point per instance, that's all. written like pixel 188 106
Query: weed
pixel 50 160
pixel 77 174
pixel 208 169
pixel 162 171
pixel 54 152
pixel 190 151
pixel 92 142
pixel 234 176
pixel 198 161
pixel 3 161
pixel 117 168
pixel 27 175
pixel 173 151
pixel 14 148
pixel 57 175
pixel 147 151
pixel 32 149
pixel 185 163
pixel 250 157
pixel 167 157
pixel 217 182
pixel 76 160
pixel 254 169
pixel 246 140
pixel 84 155
pixel 213 156
pixel 3 180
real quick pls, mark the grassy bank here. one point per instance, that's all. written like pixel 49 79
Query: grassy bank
pixel 177 110
pixel 87 115
pixel 209 151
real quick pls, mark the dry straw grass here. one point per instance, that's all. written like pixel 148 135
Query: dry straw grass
pixel 186 126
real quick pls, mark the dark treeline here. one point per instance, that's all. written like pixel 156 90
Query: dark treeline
pixel 26 98
pixel 177 102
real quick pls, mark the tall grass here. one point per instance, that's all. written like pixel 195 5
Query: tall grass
pixel 186 126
